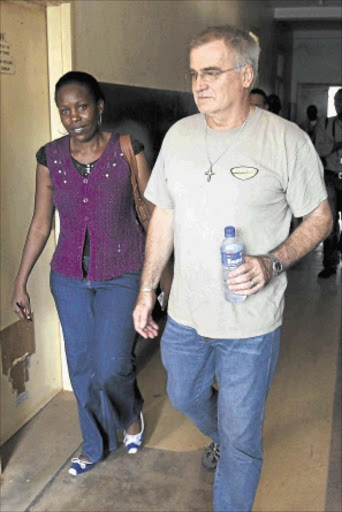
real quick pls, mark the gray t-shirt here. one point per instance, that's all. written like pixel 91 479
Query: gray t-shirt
pixel 269 172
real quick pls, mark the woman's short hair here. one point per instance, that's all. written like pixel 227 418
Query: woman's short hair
pixel 245 45
pixel 81 78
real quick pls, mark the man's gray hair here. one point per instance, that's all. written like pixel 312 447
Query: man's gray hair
pixel 244 44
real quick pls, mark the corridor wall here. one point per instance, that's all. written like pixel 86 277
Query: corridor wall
pixel 144 43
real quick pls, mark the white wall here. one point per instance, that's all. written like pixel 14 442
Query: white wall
pixel 144 43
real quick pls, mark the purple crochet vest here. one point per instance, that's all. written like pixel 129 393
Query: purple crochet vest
pixel 103 203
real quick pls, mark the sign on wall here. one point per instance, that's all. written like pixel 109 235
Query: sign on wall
pixel 6 60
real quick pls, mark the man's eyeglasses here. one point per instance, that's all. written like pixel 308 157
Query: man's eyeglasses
pixel 209 75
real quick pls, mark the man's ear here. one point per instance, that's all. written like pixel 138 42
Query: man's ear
pixel 247 76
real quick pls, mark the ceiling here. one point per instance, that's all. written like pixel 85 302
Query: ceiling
pixel 308 14
pixel 305 3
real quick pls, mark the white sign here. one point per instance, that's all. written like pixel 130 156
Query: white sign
pixel 6 60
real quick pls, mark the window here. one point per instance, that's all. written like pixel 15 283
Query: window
pixel 331 93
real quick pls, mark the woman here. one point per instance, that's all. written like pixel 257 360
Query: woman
pixel 96 267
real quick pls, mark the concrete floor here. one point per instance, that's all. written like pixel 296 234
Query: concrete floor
pixel 302 434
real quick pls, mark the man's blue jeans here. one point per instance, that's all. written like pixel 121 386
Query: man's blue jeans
pixel 232 417
pixel 99 335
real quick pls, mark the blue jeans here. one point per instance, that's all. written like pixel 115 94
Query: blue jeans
pixel 96 318
pixel 232 417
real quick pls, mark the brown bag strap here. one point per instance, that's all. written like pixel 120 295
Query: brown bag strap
pixel 127 149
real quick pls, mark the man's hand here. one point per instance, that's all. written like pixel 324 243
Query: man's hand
pixel 251 276
pixel 142 315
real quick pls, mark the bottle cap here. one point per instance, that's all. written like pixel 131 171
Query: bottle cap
pixel 229 232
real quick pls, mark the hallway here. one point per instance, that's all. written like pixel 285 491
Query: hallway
pixel 302 431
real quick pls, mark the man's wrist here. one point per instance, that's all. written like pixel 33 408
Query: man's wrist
pixel 276 264
pixel 148 286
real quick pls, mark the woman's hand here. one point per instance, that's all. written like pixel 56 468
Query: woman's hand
pixel 21 304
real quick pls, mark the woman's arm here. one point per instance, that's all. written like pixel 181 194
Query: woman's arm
pixel 36 239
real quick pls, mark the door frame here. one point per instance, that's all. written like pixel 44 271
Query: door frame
pixel 60 51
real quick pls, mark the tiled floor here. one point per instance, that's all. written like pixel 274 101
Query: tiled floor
pixel 301 436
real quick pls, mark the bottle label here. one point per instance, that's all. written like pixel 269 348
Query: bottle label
pixel 231 259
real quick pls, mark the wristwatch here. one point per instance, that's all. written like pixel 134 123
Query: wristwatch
pixel 277 265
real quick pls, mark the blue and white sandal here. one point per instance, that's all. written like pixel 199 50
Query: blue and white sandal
pixel 79 466
pixel 134 441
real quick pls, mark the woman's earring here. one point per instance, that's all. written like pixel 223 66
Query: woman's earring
pixel 99 122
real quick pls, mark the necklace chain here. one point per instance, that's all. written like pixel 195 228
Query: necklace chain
pixel 209 173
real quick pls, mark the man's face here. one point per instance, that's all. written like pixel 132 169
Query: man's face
pixel 257 100
pixel 217 95
pixel 338 102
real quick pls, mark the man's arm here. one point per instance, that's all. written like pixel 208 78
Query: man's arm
pixel 257 271
pixel 159 246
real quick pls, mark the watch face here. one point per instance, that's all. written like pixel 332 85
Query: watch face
pixel 278 267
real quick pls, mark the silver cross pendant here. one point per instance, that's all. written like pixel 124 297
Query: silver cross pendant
pixel 209 173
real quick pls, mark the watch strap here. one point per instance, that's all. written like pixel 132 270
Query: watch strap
pixel 277 264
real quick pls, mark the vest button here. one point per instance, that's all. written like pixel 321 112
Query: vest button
pixel 85 180
pixel 85 200
pixel 86 219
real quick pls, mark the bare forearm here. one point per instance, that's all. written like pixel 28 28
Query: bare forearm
pixel 159 246
pixel 313 230
pixel 257 271
pixel 34 245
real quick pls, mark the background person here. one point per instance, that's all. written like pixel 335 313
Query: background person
pixel 274 104
pixel 310 125
pixel 200 185
pixel 95 269
pixel 329 147
pixel 258 98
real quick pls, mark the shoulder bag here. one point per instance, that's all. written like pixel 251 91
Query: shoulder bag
pixel 142 209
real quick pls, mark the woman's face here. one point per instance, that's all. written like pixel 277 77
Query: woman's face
pixel 79 111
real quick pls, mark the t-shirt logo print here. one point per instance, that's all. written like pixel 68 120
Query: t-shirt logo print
pixel 244 173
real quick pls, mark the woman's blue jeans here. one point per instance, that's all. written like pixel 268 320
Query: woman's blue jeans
pixel 232 417
pixel 99 335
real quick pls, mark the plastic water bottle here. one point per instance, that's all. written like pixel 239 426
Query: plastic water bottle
pixel 231 257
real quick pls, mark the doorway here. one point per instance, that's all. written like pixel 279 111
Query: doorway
pixel 311 94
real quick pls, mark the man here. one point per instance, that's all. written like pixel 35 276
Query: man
pixel 274 104
pixel 231 164
pixel 310 125
pixel 258 98
pixel 329 147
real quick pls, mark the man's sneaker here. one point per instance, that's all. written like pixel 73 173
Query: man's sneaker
pixel 134 441
pixel 211 457
pixel 79 466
